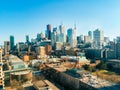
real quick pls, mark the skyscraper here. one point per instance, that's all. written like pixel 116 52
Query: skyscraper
pixel 48 32
pixel 90 34
pixel 54 37
pixel 87 39
pixel 11 42
pixel 72 40
pixel 6 47
pixel 27 39
pixel 62 35
pixel 98 38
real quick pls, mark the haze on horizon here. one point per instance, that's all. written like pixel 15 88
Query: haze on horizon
pixel 29 17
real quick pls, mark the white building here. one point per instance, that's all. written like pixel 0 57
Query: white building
pixel 72 40
pixel 62 35
pixel 98 38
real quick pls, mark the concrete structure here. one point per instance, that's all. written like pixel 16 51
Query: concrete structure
pixel 6 47
pixel 98 38
pixel 16 63
pixel 1 72
pixel 41 52
pixel 21 76
pixel 58 46
pixel 48 49
pixel 44 85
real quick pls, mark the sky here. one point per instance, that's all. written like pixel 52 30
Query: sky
pixel 29 17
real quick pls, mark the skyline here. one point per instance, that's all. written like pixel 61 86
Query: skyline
pixel 20 18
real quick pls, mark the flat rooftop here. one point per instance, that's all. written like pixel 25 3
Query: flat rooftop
pixel 87 77
pixel 114 60
pixel 99 83
pixel 61 67
pixel 21 72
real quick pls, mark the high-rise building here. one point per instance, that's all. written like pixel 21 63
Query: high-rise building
pixel 87 39
pixel 90 34
pixel 80 39
pixel 6 47
pixel 11 42
pixel 40 36
pixel 72 40
pixel 54 37
pixel 98 38
pixel 62 35
pixel 48 32
pixel 27 39
pixel 1 72
pixel 118 39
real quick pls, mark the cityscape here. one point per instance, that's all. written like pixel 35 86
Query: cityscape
pixel 59 57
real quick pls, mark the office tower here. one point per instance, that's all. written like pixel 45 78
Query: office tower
pixel 11 42
pixel 87 39
pixel 40 36
pixel 54 37
pixel 1 72
pixel 98 38
pixel 48 32
pixel 27 39
pixel 62 35
pixel 118 39
pixel 72 40
pixel 6 47
pixel 90 34
pixel 80 39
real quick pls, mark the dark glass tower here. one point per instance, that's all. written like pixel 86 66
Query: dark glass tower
pixel 48 32
pixel 11 42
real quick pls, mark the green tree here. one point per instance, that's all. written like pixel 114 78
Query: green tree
pixel 87 67
pixel 102 65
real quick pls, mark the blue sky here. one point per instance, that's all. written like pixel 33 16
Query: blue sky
pixel 29 17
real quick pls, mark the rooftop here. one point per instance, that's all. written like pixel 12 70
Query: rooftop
pixel 99 83
pixel 21 72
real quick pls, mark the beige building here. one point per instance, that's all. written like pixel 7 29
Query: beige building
pixel 87 39
pixel 41 52
pixel 1 72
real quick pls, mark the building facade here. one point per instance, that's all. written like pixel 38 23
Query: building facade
pixel 6 47
pixel 98 38
pixel 1 72
pixel 72 40
pixel 11 42
pixel 48 32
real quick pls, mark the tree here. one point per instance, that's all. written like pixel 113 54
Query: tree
pixel 87 67
pixel 101 65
